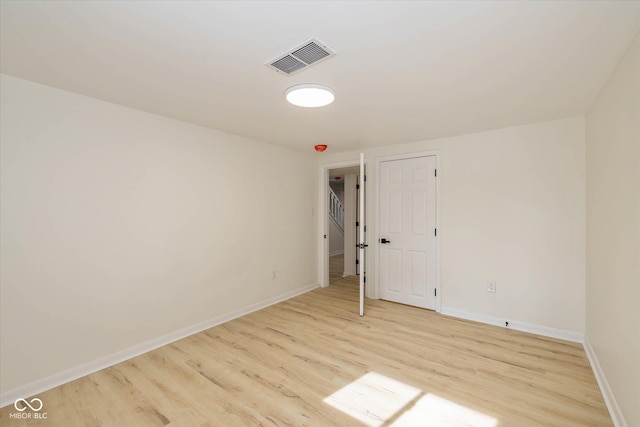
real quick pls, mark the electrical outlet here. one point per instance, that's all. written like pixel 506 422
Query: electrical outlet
pixel 492 287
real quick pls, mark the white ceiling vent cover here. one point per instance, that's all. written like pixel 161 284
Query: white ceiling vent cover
pixel 300 57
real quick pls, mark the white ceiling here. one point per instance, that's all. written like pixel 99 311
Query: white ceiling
pixel 404 71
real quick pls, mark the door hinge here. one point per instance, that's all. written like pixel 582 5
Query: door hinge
pixel 435 173
pixel 364 279
pixel 357 223
pixel 365 228
pixel 435 232
pixel 435 292
pixel 357 261
pixel 325 236
pixel 357 186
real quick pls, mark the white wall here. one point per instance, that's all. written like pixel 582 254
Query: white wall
pixel 613 235
pixel 513 210
pixel 119 226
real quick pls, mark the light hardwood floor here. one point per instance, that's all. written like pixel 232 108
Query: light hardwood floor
pixel 312 361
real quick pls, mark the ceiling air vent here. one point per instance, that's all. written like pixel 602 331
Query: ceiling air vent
pixel 300 57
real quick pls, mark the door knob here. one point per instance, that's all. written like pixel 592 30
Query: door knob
pixel 385 241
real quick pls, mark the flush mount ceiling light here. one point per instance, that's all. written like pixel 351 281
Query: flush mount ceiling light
pixel 310 95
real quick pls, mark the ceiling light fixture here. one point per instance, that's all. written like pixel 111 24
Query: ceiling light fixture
pixel 310 95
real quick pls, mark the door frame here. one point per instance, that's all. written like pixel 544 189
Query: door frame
pixel 323 261
pixel 405 156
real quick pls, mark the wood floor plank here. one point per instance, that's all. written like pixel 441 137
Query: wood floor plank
pixel 313 361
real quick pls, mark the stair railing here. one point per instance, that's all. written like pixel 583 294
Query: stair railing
pixel 336 211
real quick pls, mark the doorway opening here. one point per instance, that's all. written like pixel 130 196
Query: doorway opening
pixel 342 259
pixel 352 206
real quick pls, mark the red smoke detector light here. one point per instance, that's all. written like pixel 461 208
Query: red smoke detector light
pixel 320 147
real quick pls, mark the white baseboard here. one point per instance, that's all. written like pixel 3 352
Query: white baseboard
pixel 546 331
pixel 44 384
pixel 607 394
pixel 336 253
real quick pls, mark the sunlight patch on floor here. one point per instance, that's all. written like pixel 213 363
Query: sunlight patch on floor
pixel 433 410
pixel 373 398
pixel 377 400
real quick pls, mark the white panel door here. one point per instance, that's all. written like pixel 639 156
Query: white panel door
pixel 408 231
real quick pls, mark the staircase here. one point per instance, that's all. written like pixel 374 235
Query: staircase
pixel 336 211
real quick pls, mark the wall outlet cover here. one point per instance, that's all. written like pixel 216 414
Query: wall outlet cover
pixel 492 287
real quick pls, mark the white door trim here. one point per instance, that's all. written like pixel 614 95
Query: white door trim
pixel 322 216
pixel 361 233
pixel 375 237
